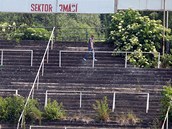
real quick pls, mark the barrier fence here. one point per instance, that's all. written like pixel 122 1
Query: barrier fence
pixel 87 93
pixel 110 52
pixel 20 50
pixel 9 90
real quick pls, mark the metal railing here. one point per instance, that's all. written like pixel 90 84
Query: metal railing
pixel 9 90
pixel 80 93
pixel 12 50
pixel 110 52
pixel 166 119
pixel 36 81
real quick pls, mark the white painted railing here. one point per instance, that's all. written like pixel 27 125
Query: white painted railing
pixel 17 50
pixel 138 93
pixel 36 81
pixel 9 90
pixel 80 93
pixel 110 52
pixel 166 119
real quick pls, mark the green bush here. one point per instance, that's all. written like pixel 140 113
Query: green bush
pixel 54 111
pixel 166 61
pixel 36 34
pixel 22 32
pixel 3 111
pixel 14 107
pixel 129 31
pixel 102 109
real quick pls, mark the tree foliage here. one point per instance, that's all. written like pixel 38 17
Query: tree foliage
pixel 130 31
pixel 69 26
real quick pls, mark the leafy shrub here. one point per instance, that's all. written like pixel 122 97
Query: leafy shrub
pixel 11 108
pixel 129 31
pixel 166 61
pixel 102 109
pixel 3 111
pixel 54 110
pixel 26 33
pixel 36 34
pixel 14 107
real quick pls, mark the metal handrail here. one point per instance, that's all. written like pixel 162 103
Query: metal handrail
pixel 166 119
pixel 10 90
pixel 112 52
pixel 37 75
pixel 94 92
pixel 12 50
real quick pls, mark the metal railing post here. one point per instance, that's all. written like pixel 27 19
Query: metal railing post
pixel 165 119
pixel 52 41
pixel 31 58
pixel 2 53
pixel 33 93
pixel 80 105
pixel 46 95
pixel 126 60
pixel 60 65
pixel 37 82
pixel 22 122
pixel 48 54
pixel 93 58
pixel 147 105
pixel 16 92
pixel 167 122
pixel 159 60
pixel 43 69
pixel 113 106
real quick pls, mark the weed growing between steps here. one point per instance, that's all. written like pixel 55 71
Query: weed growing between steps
pixel 54 111
pixel 128 119
pixel 102 109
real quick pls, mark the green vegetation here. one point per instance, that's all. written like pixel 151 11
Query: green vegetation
pixel 54 111
pixel 166 61
pixel 11 108
pixel 128 119
pixel 129 31
pixel 32 111
pixel 69 27
pixel 166 101
pixel 102 109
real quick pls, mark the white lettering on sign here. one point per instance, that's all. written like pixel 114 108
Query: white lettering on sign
pixel 41 8
pixel 68 7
